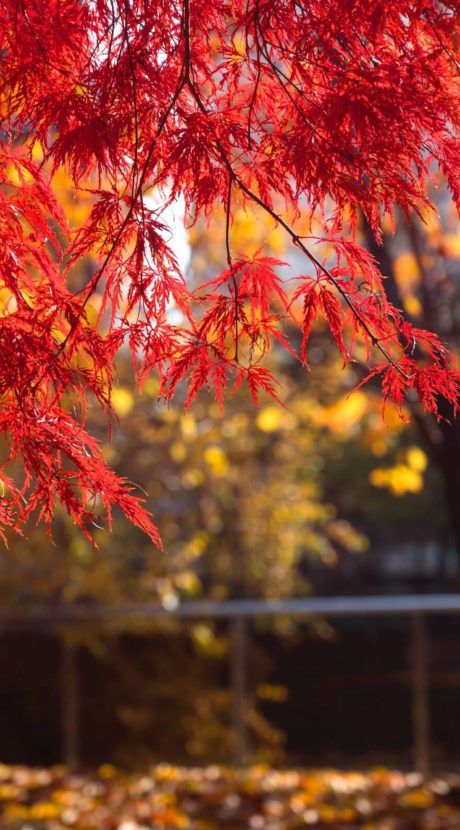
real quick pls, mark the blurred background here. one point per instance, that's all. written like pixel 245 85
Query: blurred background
pixel 321 498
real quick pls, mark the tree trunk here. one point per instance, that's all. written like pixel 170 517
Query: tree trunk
pixel 441 439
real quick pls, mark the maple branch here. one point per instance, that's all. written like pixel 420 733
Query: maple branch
pixel 148 94
pixel 128 216
pixel 258 77
pixel 187 81
pixel 137 194
pixel 187 46
pixel 230 260
pixel 34 34
pixel 375 341
pixel 443 45
pixel 279 74
pixel 136 141
pixel 184 80
pixel 135 109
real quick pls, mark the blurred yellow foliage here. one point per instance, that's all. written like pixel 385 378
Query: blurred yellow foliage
pixel 342 416
pixel 188 426
pixel 346 535
pixel 187 582
pixel 272 692
pixel 151 387
pixel 419 798
pixel 451 245
pixel 250 231
pixel 122 400
pixel 405 476
pixel 408 277
pixel 44 811
pixel 195 546
pixel 77 204
pixel 270 419
pixel 107 771
pixel 400 479
pixel 406 269
pixel 8 303
pixel 193 478
pixel 417 459
pixel 178 451
pixel 207 642
pixel 216 460
pixel 412 305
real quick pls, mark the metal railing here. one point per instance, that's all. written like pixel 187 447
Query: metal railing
pixel 347 606
pixel 417 607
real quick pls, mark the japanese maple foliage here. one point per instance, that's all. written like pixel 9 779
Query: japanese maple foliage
pixel 327 106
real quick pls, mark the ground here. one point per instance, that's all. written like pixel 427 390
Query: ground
pixel 216 798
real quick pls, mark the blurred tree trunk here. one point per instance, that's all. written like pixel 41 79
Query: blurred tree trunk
pixel 69 711
pixel 441 439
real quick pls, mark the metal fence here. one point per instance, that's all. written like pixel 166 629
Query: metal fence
pixel 239 612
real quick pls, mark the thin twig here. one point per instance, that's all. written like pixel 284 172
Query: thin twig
pixel 231 267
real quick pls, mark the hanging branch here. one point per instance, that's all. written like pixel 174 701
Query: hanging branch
pixel 346 104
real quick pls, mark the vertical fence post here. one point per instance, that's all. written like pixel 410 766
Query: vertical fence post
pixel 69 703
pixel 238 665
pixel 420 707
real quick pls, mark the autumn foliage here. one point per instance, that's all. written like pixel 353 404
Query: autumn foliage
pixel 327 109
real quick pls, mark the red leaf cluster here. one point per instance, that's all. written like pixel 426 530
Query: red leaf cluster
pixel 332 106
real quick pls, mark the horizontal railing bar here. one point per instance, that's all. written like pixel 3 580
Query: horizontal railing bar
pixel 347 606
